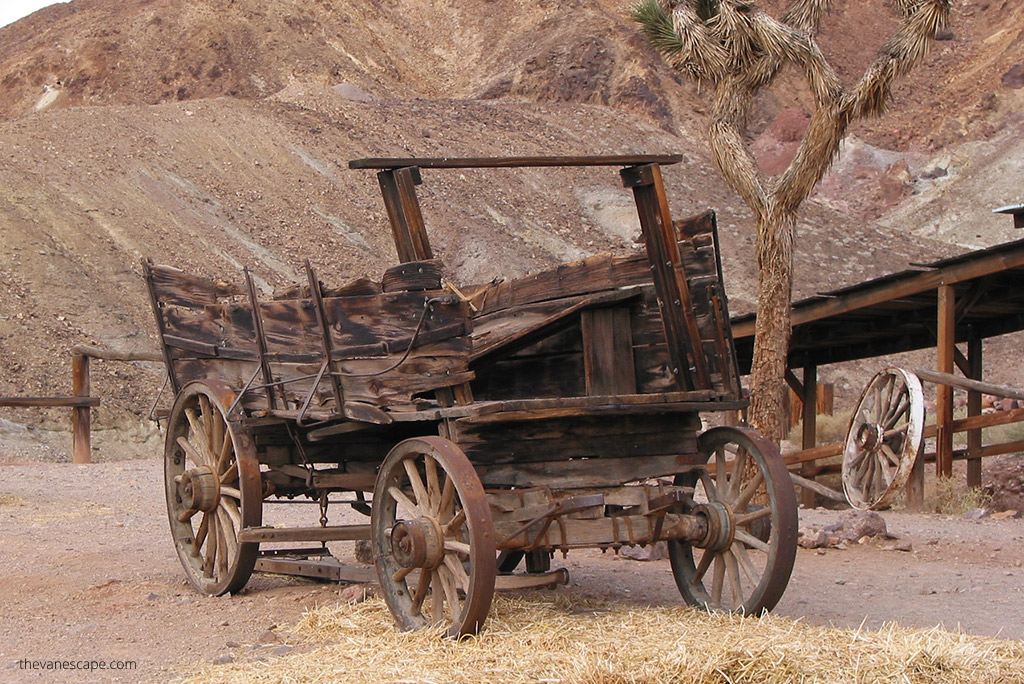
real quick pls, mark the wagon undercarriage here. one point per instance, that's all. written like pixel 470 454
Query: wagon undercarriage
pixel 476 426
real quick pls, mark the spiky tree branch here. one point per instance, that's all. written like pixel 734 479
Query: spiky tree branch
pixel 737 48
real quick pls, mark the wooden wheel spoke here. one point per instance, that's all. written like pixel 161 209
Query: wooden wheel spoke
pixel 897 412
pixel 747 518
pixel 190 451
pixel 457 547
pixel 717 581
pixel 455 523
pixel 433 486
pixel 890 455
pixel 225 452
pixel 200 436
pixel 709 485
pixel 421 592
pixel 402 500
pixel 436 597
pixel 740 551
pixel 702 567
pixel 748 491
pixel 751 541
pixel 451 594
pixel 206 418
pixel 212 544
pixel 733 569
pixel 401 574
pixel 231 491
pixel 197 542
pixel 418 488
pixel 885 469
pixel 458 572
pixel 231 474
pixel 444 508
pixel 721 472
pixel 231 508
pixel 739 465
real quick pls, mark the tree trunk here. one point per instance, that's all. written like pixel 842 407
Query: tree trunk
pixel 773 327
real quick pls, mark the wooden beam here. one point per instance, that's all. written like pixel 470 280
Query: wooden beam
pixel 946 343
pixel 678 319
pixel 398 186
pixel 49 402
pixel 810 420
pixel 81 419
pixel 513 162
pixel 912 284
pixel 976 372
pixel 969 384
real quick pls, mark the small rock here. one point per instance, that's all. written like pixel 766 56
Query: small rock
pixel 650 552
pixel 225 623
pixel 153 596
pixel 927 592
pixel 283 649
pixel 355 593
pixel 856 524
pixel 268 637
pixel 931 542
pixel 224 659
pixel 899 546
pixel 1003 515
pixel 977 514
pixel 1014 77
pixel 232 644
pixel 183 602
pixel 840 581
pixel 944 34
pixel 821 552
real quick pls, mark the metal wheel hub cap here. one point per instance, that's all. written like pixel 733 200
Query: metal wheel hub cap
pixel 721 526
pixel 200 489
pixel 417 543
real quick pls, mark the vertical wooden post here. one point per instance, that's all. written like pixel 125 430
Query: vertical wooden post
pixel 810 422
pixel 915 484
pixel 974 409
pixel 398 187
pixel 678 319
pixel 81 437
pixel 944 399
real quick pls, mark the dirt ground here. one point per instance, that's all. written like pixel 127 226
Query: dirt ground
pixel 88 573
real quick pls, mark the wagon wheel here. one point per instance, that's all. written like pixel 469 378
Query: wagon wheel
pixel 744 561
pixel 433 540
pixel 212 483
pixel 884 437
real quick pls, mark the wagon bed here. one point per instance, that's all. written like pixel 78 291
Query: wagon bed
pixel 555 411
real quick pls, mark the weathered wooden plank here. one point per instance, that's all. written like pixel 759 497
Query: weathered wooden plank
pixel 608 352
pixel 173 286
pixel 512 329
pixel 398 186
pixel 681 330
pixel 512 162
pixel 50 402
pixel 583 472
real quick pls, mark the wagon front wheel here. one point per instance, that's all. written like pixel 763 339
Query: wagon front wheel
pixel 213 489
pixel 746 497
pixel 433 540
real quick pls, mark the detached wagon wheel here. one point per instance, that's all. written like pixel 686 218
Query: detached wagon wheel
pixel 744 562
pixel 212 482
pixel 433 540
pixel 884 437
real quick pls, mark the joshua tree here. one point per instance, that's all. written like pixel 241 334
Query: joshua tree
pixel 739 49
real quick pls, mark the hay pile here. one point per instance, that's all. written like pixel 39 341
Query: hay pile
pixel 546 638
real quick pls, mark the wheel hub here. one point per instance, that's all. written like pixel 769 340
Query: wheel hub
pixel 869 436
pixel 417 543
pixel 721 526
pixel 200 489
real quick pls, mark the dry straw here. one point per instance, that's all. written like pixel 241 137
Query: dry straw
pixel 552 638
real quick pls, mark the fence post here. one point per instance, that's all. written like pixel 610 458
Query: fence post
pixel 81 438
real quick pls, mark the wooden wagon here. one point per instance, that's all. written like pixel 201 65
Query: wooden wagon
pixel 474 426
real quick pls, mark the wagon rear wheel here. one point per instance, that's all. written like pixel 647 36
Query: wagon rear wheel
pixel 433 540
pixel 884 437
pixel 744 562
pixel 212 483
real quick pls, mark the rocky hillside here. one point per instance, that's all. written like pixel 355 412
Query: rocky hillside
pixel 215 134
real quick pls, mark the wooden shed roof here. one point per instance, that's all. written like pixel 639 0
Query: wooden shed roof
pixel 899 312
